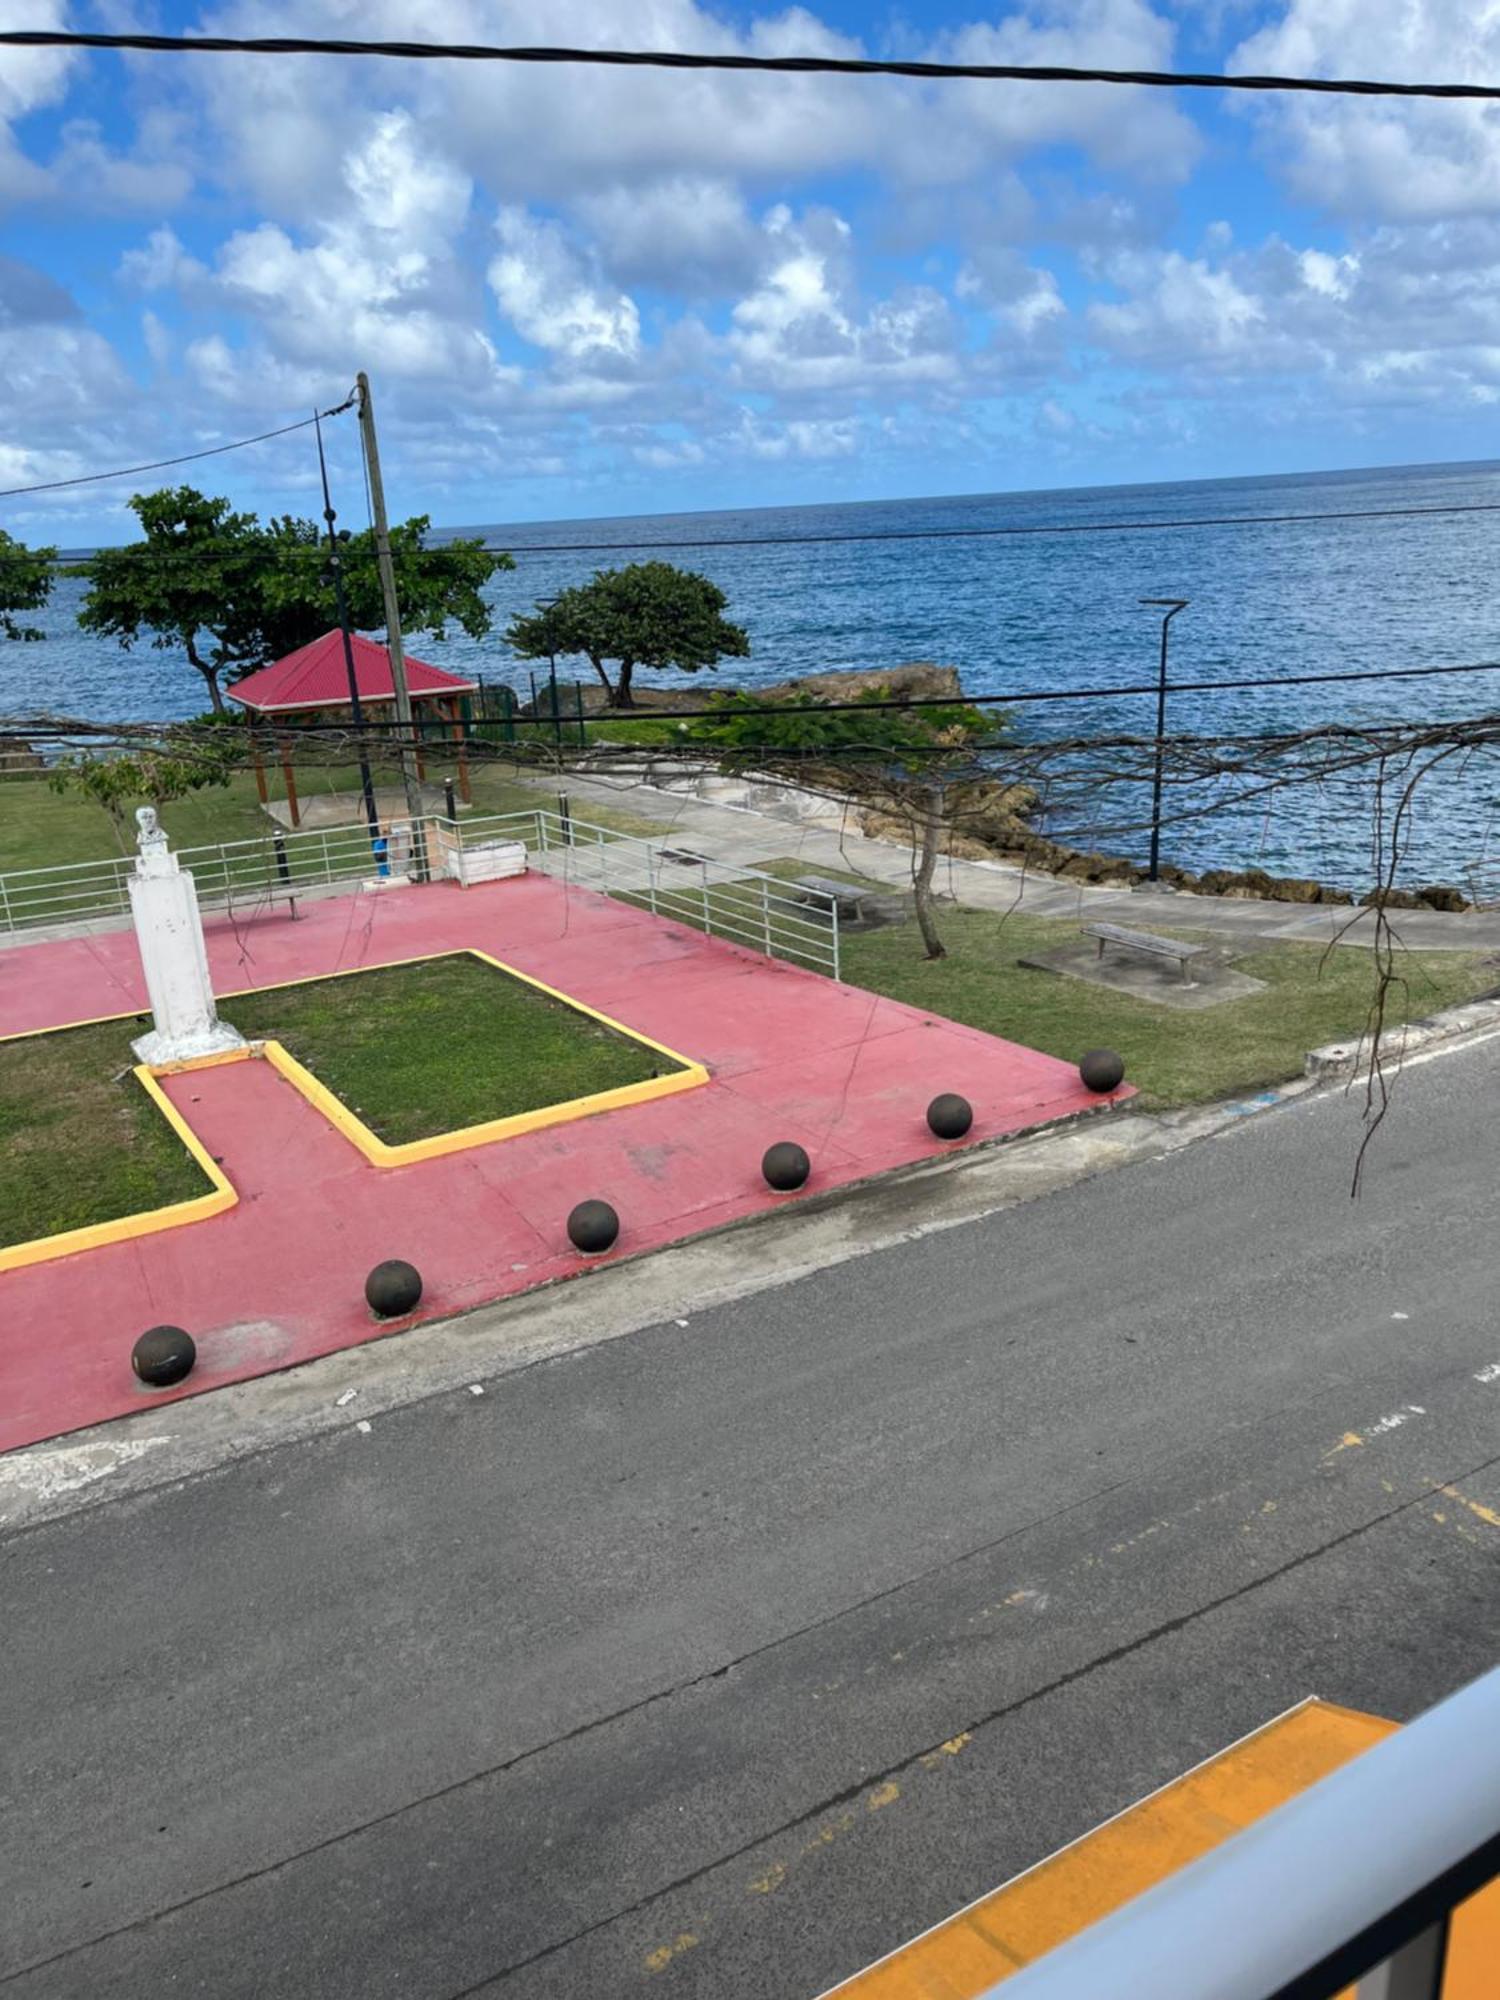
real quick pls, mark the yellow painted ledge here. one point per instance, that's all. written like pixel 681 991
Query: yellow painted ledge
pixel 687 1075
pixel 147 1223
pixel 1006 1930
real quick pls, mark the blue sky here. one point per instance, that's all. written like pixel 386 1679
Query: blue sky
pixel 581 292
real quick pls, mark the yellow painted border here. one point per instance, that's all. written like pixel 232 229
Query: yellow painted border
pixel 687 1076
pixel 147 1222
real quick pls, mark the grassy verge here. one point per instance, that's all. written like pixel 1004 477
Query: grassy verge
pixel 1311 997
pixel 40 828
pixel 81 1141
pixel 419 1049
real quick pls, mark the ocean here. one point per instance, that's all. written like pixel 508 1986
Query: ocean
pixel 1044 611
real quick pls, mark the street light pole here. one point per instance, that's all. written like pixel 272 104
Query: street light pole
pixel 1172 606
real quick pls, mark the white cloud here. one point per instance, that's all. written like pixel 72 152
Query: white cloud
pixel 1383 158
pixel 546 290
pixel 801 328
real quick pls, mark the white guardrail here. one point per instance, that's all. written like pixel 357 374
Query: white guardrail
pixel 782 919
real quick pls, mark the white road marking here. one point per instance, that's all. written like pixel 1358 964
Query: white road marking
pixel 1489 1373
pixel 45 1471
pixel 362 1426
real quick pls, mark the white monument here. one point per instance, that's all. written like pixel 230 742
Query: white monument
pixel 169 931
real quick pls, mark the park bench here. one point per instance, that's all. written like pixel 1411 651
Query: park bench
pixel 846 897
pixel 1143 941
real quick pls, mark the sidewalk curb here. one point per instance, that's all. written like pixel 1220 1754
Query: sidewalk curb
pixel 1342 1061
pixel 133 1456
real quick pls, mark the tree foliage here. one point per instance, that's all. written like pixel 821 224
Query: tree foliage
pixel 912 755
pixel 231 594
pixel 648 614
pixel 25 585
pixel 153 776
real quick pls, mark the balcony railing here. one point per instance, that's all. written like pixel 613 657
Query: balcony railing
pixel 1354 1880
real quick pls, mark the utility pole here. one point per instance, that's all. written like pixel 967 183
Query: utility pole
pixel 405 733
pixel 1172 605
pixel 356 713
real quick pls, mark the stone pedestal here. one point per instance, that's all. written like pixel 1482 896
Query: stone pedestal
pixel 169 933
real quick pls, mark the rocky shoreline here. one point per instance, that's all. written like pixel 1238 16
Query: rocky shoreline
pixel 991 820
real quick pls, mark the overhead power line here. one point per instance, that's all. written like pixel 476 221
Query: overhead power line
pixel 679 59
pixel 1001 532
pixel 184 458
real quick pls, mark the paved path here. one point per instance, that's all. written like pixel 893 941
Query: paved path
pixel 279 1276
pixel 832 841
pixel 714 1661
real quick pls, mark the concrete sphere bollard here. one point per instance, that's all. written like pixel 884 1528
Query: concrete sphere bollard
pixel 163 1356
pixel 950 1116
pixel 393 1289
pixel 785 1166
pixel 1102 1071
pixel 593 1227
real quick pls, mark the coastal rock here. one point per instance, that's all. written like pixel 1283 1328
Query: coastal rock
pixel 918 680
pixel 1443 896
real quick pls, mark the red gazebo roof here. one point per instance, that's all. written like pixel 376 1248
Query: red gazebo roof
pixel 315 677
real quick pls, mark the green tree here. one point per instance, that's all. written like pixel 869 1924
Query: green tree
pixel 25 585
pixel 154 776
pixel 434 586
pixel 909 757
pixel 648 614
pixel 231 594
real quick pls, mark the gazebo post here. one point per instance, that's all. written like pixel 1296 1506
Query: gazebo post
pixel 260 771
pixel 464 791
pixel 291 782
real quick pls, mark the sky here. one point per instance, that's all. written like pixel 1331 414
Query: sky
pixel 581 292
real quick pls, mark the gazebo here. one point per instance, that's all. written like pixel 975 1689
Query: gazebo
pixel 312 685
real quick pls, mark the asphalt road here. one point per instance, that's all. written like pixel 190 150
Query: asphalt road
pixel 718 1659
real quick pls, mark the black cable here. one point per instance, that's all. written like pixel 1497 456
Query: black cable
pixel 1014 699
pixel 862 535
pixel 1157 79
pixel 157 464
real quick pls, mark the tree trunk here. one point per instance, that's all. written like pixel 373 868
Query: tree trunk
pixel 598 666
pixel 210 675
pixel 623 697
pixel 932 827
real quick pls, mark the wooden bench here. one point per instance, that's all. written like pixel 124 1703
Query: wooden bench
pixel 1143 941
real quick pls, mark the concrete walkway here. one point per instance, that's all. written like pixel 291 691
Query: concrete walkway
pixel 832 841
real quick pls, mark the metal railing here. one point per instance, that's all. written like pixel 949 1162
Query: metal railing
pixel 746 906
pixel 1353 1880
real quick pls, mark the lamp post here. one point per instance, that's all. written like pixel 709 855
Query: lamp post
pixel 1171 605
pixel 546 604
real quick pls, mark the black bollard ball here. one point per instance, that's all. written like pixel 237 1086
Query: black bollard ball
pixel 163 1356
pixel 393 1288
pixel 593 1227
pixel 950 1116
pixel 785 1166
pixel 1102 1071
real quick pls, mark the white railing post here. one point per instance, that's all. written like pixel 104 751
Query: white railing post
pixel 603 864
pixel 1415 1972
pixel 651 877
pixel 765 912
pixel 833 912
pixel 708 922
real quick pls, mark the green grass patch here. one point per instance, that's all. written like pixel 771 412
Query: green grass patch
pixel 1311 997
pixel 81 1140
pixel 415 1050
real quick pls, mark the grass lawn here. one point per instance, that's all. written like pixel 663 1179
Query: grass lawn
pixel 81 1141
pixel 415 1050
pixel 40 828
pixel 1175 1058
